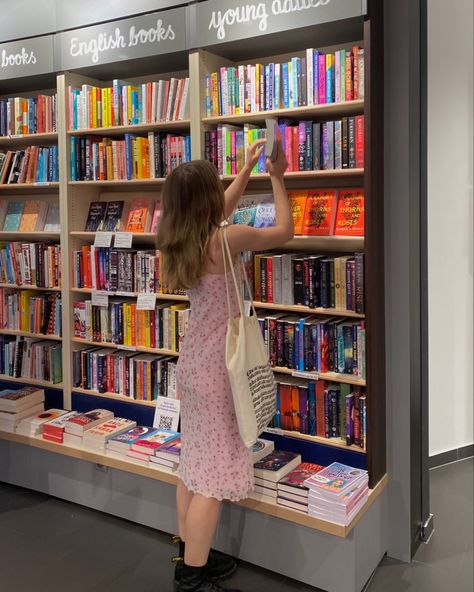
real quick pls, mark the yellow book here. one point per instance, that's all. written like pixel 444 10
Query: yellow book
pixel 94 106
pixel 175 324
pixel 291 92
pixel 148 381
pixel 147 329
pixel 127 316
pixel 25 296
pixel 140 158
pixel 104 108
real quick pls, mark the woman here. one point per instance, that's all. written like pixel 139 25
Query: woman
pixel 215 464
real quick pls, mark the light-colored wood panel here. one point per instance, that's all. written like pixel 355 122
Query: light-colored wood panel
pixel 34 335
pixel 41 289
pixel 13 141
pixel 114 396
pixel 31 381
pixel 34 236
pixel 326 243
pixel 29 186
pixel 123 183
pixel 329 376
pixel 307 310
pixel 133 129
pixel 335 442
pixel 329 174
pixel 137 348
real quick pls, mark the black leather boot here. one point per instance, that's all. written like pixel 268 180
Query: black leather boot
pixel 195 579
pixel 219 566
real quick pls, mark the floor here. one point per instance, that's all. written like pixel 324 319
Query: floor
pixel 48 545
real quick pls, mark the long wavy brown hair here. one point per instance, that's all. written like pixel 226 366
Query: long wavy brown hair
pixel 192 207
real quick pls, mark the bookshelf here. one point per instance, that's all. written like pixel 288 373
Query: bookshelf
pixel 74 198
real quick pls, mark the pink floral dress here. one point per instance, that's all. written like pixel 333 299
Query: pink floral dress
pixel 214 461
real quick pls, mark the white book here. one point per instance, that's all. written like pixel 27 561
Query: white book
pixel 294 505
pixel 171 98
pixel 72 439
pixel 309 76
pixel 13 419
pixel 266 491
pixel 241 71
pixel 262 448
pixel 337 76
pixel 160 100
pixel 261 497
pixel 52 223
pixel 184 107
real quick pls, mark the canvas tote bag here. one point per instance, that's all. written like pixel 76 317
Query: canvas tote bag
pixel 251 378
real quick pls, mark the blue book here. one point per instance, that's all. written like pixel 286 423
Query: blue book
pixel 128 156
pixel 330 81
pixel 312 408
pixel 276 419
pixel 286 87
pixel 31 116
pixel 301 345
pixel 296 98
pixel 267 87
pixel 73 159
pixel 188 148
pixel 276 104
pixel 315 76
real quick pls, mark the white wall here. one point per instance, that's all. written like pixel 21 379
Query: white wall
pixel 450 223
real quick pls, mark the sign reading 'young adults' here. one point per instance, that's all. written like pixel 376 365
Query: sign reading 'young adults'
pixel 26 58
pixel 218 21
pixel 148 35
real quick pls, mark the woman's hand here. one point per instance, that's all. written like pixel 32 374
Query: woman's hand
pixel 278 167
pixel 253 153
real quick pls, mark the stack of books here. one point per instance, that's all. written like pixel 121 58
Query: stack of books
pixel 96 438
pixel 119 446
pixel 33 426
pixel 167 456
pixel 269 470
pixel 53 430
pixel 262 448
pixel 337 493
pixel 76 426
pixel 15 405
pixel 292 491
pixel 146 447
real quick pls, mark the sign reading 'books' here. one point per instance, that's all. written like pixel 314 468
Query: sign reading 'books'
pixel 218 21
pixel 27 57
pixel 148 35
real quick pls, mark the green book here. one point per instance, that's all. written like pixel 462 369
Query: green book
pixel 13 215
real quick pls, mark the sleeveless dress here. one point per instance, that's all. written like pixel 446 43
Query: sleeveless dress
pixel 214 461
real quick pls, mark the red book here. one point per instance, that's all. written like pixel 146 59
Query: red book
pixel 286 407
pixel 322 77
pixel 320 427
pixel 295 148
pixel 269 261
pixel 355 51
pixel 320 213
pixel 289 147
pixel 295 408
pixel 350 213
pixel 359 141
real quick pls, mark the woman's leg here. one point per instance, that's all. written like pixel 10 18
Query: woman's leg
pixel 183 499
pixel 201 522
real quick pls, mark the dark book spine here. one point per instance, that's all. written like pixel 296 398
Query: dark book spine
pixel 304 88
pixel 298 281
pixel 263 280
pixel 303 409
pixel 306 281
pixel 345 143
pixel 325 283
pixel 351 143
pixel 301 146
pixel 307 353
pixel 327 414
pixel 311 409
pixel 335 420
pixel 348 344
pixel 357 422
pixel 331 347
pixel 280 345
pixel 316 146
pixel 207 146
pixel 359 282
pixel 332 284
pixel 308 165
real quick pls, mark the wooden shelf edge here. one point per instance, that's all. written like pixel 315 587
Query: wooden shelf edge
pixel 334 173
pixel 312 375
pixel 137 348
pixel 116 130
pixel 33 335
pixel 342 107
pixel 31 381
pixel 113 396
pixel 23 287
pixel 334 442
pixel 36 185
pixel 25 138
pixel 124 182
pixel 167 477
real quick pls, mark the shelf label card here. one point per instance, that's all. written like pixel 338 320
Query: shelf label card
pixel 103 239
pixel 167 414
pixel 146 301
pixel 278 431
pixel 303 374
pixel 126 347
pixel 128 294
pixel 123 240
pixel 100 298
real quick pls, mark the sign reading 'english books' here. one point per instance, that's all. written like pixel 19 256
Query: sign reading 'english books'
pixel 148 35
pixel 28 57
pixel 219 21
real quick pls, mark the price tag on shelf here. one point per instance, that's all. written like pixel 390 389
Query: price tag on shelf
pixel 303 374
pixel 42 183
pixel 103 239
pixel 123 240
pixel 126 347
pixel 100 298
pixel 167 414
pixel 247 307
pixel 128 294
pixel 278 431
pixel 146 301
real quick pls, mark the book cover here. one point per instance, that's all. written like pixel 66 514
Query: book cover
pixel 153 441
pixel 132 435
pixel 264 215
pixel 320 211
pixel 350 213
pixel 52 223
pixel 32 216
pixel 85 421
pixel 156 217
pixel 114 212
pixel 13 216
pixel 276 465
pixel 262 448
pixel 336 478
pixel 111 427
pixel 139 217
pixel 298 204
pixel 298 476
pixel 170 450
pixel 95 215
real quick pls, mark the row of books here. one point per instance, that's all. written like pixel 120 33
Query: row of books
pixel 125 103
pixel 19 115
pixel 117 270
pixel 308 279
pixel 308 145
pixel 142 214
pixel 95 158
pixel 317 212
pixel 30 311
pixel 322 409
pixel 30 264
pixel 28 357
pixel 314 344
pixel 29 216
pixel 121 323
pixel 315 78
pixel 35 164
pixel 141 377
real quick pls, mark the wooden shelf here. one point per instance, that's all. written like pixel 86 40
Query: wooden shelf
pixel 335 442
pixel 164 476
pixel 31 381
pixel 119 182
pixel 119 130
pixel 137 348
pixel 331 174
pixel 313 111
pixel 115 396
pixel 138 237
pixel 179 297
pixel 28 139
pixel 27 334
pixel 15 287
pixel 29 186
pixel 307 310
pixel 17 236
pixel 329 376
pixel 326 243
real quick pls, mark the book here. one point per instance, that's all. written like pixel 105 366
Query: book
pixel 114 213
pixel 78 424
pixel 33 216
pixel 139 218
pixel 95 216
pixel 262 448
pixel 350 213
pixel 336 479
pixel 298 206
pixel 33 426
pixel 97 436
pixel 156 217
pixel 52 223
pixel 9 420
pixel 122 442
pixel 20 399
pixel 294 482
pixel 153 441
pixel 320 213
pixel 170 451
pixel 13 216
pixel 276 465
pixel 53 430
